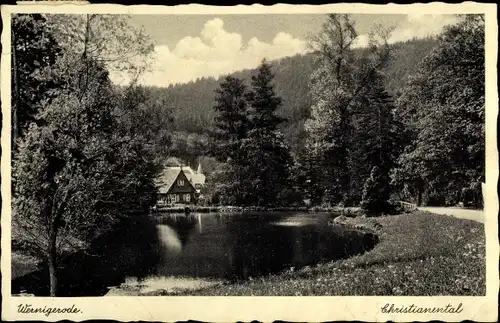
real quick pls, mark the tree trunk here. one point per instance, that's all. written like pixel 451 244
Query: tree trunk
pixel 52 263
pixel 343 172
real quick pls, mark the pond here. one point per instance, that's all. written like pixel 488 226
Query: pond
pixel 190 251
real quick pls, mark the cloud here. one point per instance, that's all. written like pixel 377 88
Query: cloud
pixel 215 43
pixel 415 26
pixel 214 52
pixel 420 26
pixel 361 41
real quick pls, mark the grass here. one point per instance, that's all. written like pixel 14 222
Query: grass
pixel 418 254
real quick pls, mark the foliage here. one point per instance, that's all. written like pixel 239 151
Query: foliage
pixel 48 181
pixel 232 122
pixel 74 177
pixel 267 169
pixel 376 192
pixel 263 100
pixel 257 159
pixel 144 119
pixel 375 141
pixel 83 167
pixel 191 103
pixel 340 90
pixel 228 185
pixel 34 50
pixel 231 129
pixel 442 109
pixel 107 39
pixel 265 146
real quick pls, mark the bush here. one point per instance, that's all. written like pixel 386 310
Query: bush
pixel 376 193
pixel 435 199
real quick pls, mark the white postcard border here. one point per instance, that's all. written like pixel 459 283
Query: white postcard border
pixel 228 309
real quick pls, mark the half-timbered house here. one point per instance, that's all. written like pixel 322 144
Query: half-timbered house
pixel 180 185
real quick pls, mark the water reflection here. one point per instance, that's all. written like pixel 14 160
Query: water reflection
pixel 132 250
pixel 181 226
pixel 227 246
pixel 249 245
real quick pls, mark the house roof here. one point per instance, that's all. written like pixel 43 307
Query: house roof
pixel 170 174
pixel 167 178
pixel 192 176
pixel 196 178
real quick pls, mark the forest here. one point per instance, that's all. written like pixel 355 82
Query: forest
pixel 190 104
pixel 418 84
pixel 337 127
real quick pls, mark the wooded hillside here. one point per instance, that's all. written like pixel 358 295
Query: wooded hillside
pixel 191 104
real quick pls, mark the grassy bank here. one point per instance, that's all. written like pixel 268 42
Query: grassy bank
pixel 419 254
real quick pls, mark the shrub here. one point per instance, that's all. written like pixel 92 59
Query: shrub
pixel 435 199
pixel 376 193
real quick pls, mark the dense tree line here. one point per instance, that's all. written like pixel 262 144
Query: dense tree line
pixel 350 130
pixel 255 160
pixel 191 104
pixel 378 126
pixel 443 109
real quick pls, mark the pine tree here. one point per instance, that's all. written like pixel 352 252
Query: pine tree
pixel 232 126
pixel 376 192
pixel 380 134
pixel 266 151
pixel 263 100
pixel 232 122
pixel 376 139
pixel 256 155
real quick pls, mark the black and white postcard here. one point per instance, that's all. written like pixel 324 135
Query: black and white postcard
pixel 220 164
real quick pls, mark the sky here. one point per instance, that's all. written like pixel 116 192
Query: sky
pixel 188 47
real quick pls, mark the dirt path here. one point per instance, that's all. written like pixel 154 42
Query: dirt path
pixel 475 215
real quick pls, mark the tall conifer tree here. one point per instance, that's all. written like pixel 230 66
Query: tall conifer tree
pixel 266 149
pixel 232 122
pixel 232 125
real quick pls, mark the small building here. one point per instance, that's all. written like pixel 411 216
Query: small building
pixel 180 185
pixel 197 179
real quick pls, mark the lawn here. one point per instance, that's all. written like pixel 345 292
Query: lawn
pixel 418 254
